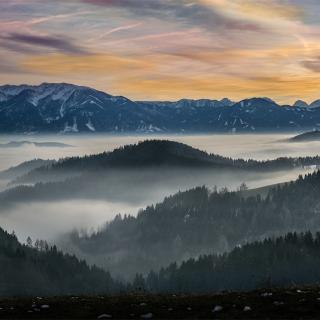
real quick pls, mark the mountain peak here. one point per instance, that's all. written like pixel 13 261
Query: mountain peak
pixel 300 104
pixel 256 102
pixel 315 104
pixel 227 102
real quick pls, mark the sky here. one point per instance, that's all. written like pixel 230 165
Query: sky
pixel 166 49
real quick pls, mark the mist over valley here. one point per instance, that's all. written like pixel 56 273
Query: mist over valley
pixel 97 198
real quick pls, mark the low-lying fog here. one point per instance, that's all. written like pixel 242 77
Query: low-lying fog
pixel 48 220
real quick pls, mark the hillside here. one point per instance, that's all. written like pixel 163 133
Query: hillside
pixel 307 136
pixel 151 154
pixel 146 154
pixel 68 108
pixel 277 262
pixel 200 221
pixel 30 271
pixel 147 171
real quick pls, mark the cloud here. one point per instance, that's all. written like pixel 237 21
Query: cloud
pixel 46 41
pixel 313 65
pixel 6 68
pixel 256 10
pixel 281 88
pixel 97 64
pixel 119 29
pixel 184 11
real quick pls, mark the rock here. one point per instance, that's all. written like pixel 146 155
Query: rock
pixel 266 294
pixel 246 309
pixel 217 309
pixel 104 316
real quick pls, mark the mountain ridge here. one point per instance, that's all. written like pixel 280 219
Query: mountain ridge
pixel 156 153
pixel 68 108
pixel 199 220
pixel 136 172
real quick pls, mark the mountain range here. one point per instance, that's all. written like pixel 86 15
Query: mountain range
pixel 68 108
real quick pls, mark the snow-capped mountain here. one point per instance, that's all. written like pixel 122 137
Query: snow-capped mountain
pixel 60 107
pixel 69 108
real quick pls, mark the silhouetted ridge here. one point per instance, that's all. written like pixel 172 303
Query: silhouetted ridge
pixel 144 154
pixel 153 153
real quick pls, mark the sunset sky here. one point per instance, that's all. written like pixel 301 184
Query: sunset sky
pixel 165 49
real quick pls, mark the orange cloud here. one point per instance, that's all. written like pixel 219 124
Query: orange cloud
pixel 62 64
pixel 283 89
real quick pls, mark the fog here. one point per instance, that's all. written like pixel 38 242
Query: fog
pixel 255 146
pixel 48 220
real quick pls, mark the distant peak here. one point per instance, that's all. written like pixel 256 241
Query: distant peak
pixel 256 101
pixel 315 104
pixel 300 104
pixel 227 102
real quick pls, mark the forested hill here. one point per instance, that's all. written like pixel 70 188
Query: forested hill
pixel 289 260
pixel 169 153
pixel 44 270
pixel 199 221
pixel 147 153
pixel 157 153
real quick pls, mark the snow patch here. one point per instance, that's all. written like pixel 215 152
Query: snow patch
pixel 71 129
pixel 90 126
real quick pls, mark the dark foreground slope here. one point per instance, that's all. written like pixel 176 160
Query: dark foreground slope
pixel 290 303
pixel 28 271
pixel 279 262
